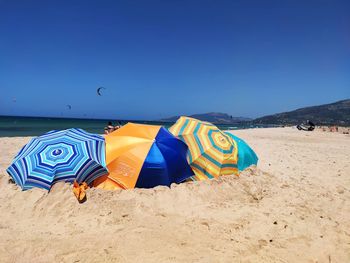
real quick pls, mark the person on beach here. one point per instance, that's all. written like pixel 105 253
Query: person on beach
pixel 109 128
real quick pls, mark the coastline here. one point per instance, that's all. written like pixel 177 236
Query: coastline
pixel 294 207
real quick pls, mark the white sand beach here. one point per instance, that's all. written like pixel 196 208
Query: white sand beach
pixel 294 207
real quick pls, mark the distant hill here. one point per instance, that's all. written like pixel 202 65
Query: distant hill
pixel 337 113
pixel 213 117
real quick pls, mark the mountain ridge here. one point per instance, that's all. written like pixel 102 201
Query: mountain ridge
pixel 335 113
pixel 213 117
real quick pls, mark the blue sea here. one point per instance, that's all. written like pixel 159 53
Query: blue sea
pixel 11 126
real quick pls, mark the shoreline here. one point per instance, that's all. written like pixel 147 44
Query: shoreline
pixel 323 129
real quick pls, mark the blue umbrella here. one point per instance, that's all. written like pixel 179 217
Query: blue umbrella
pixel 66 155
pixel 144 156
pixel 246 155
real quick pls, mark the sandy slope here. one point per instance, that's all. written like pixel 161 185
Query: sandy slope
pixel 294 208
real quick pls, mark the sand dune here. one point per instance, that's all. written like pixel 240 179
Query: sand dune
pixel 295 207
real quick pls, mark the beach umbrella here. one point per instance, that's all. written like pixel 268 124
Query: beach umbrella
pixel 65 155
pixel 211 152
pixel 143 156
pixel 246 155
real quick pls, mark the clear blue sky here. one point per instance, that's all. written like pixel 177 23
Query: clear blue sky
pixel 163 58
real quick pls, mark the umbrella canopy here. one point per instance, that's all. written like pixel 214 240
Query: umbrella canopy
pixel 211 152
pixel 143 156
pixel 246 155
pixel 66 155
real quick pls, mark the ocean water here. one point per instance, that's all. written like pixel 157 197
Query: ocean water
pixel 11 126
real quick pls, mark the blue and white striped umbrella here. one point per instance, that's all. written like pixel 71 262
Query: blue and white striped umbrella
pixel 67 155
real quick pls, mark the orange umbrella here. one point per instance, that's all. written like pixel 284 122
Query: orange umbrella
pixel 140 155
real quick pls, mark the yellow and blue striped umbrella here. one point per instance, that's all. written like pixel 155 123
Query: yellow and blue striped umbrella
pixel 211 152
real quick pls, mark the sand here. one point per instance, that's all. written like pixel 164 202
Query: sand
pixel 295 207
